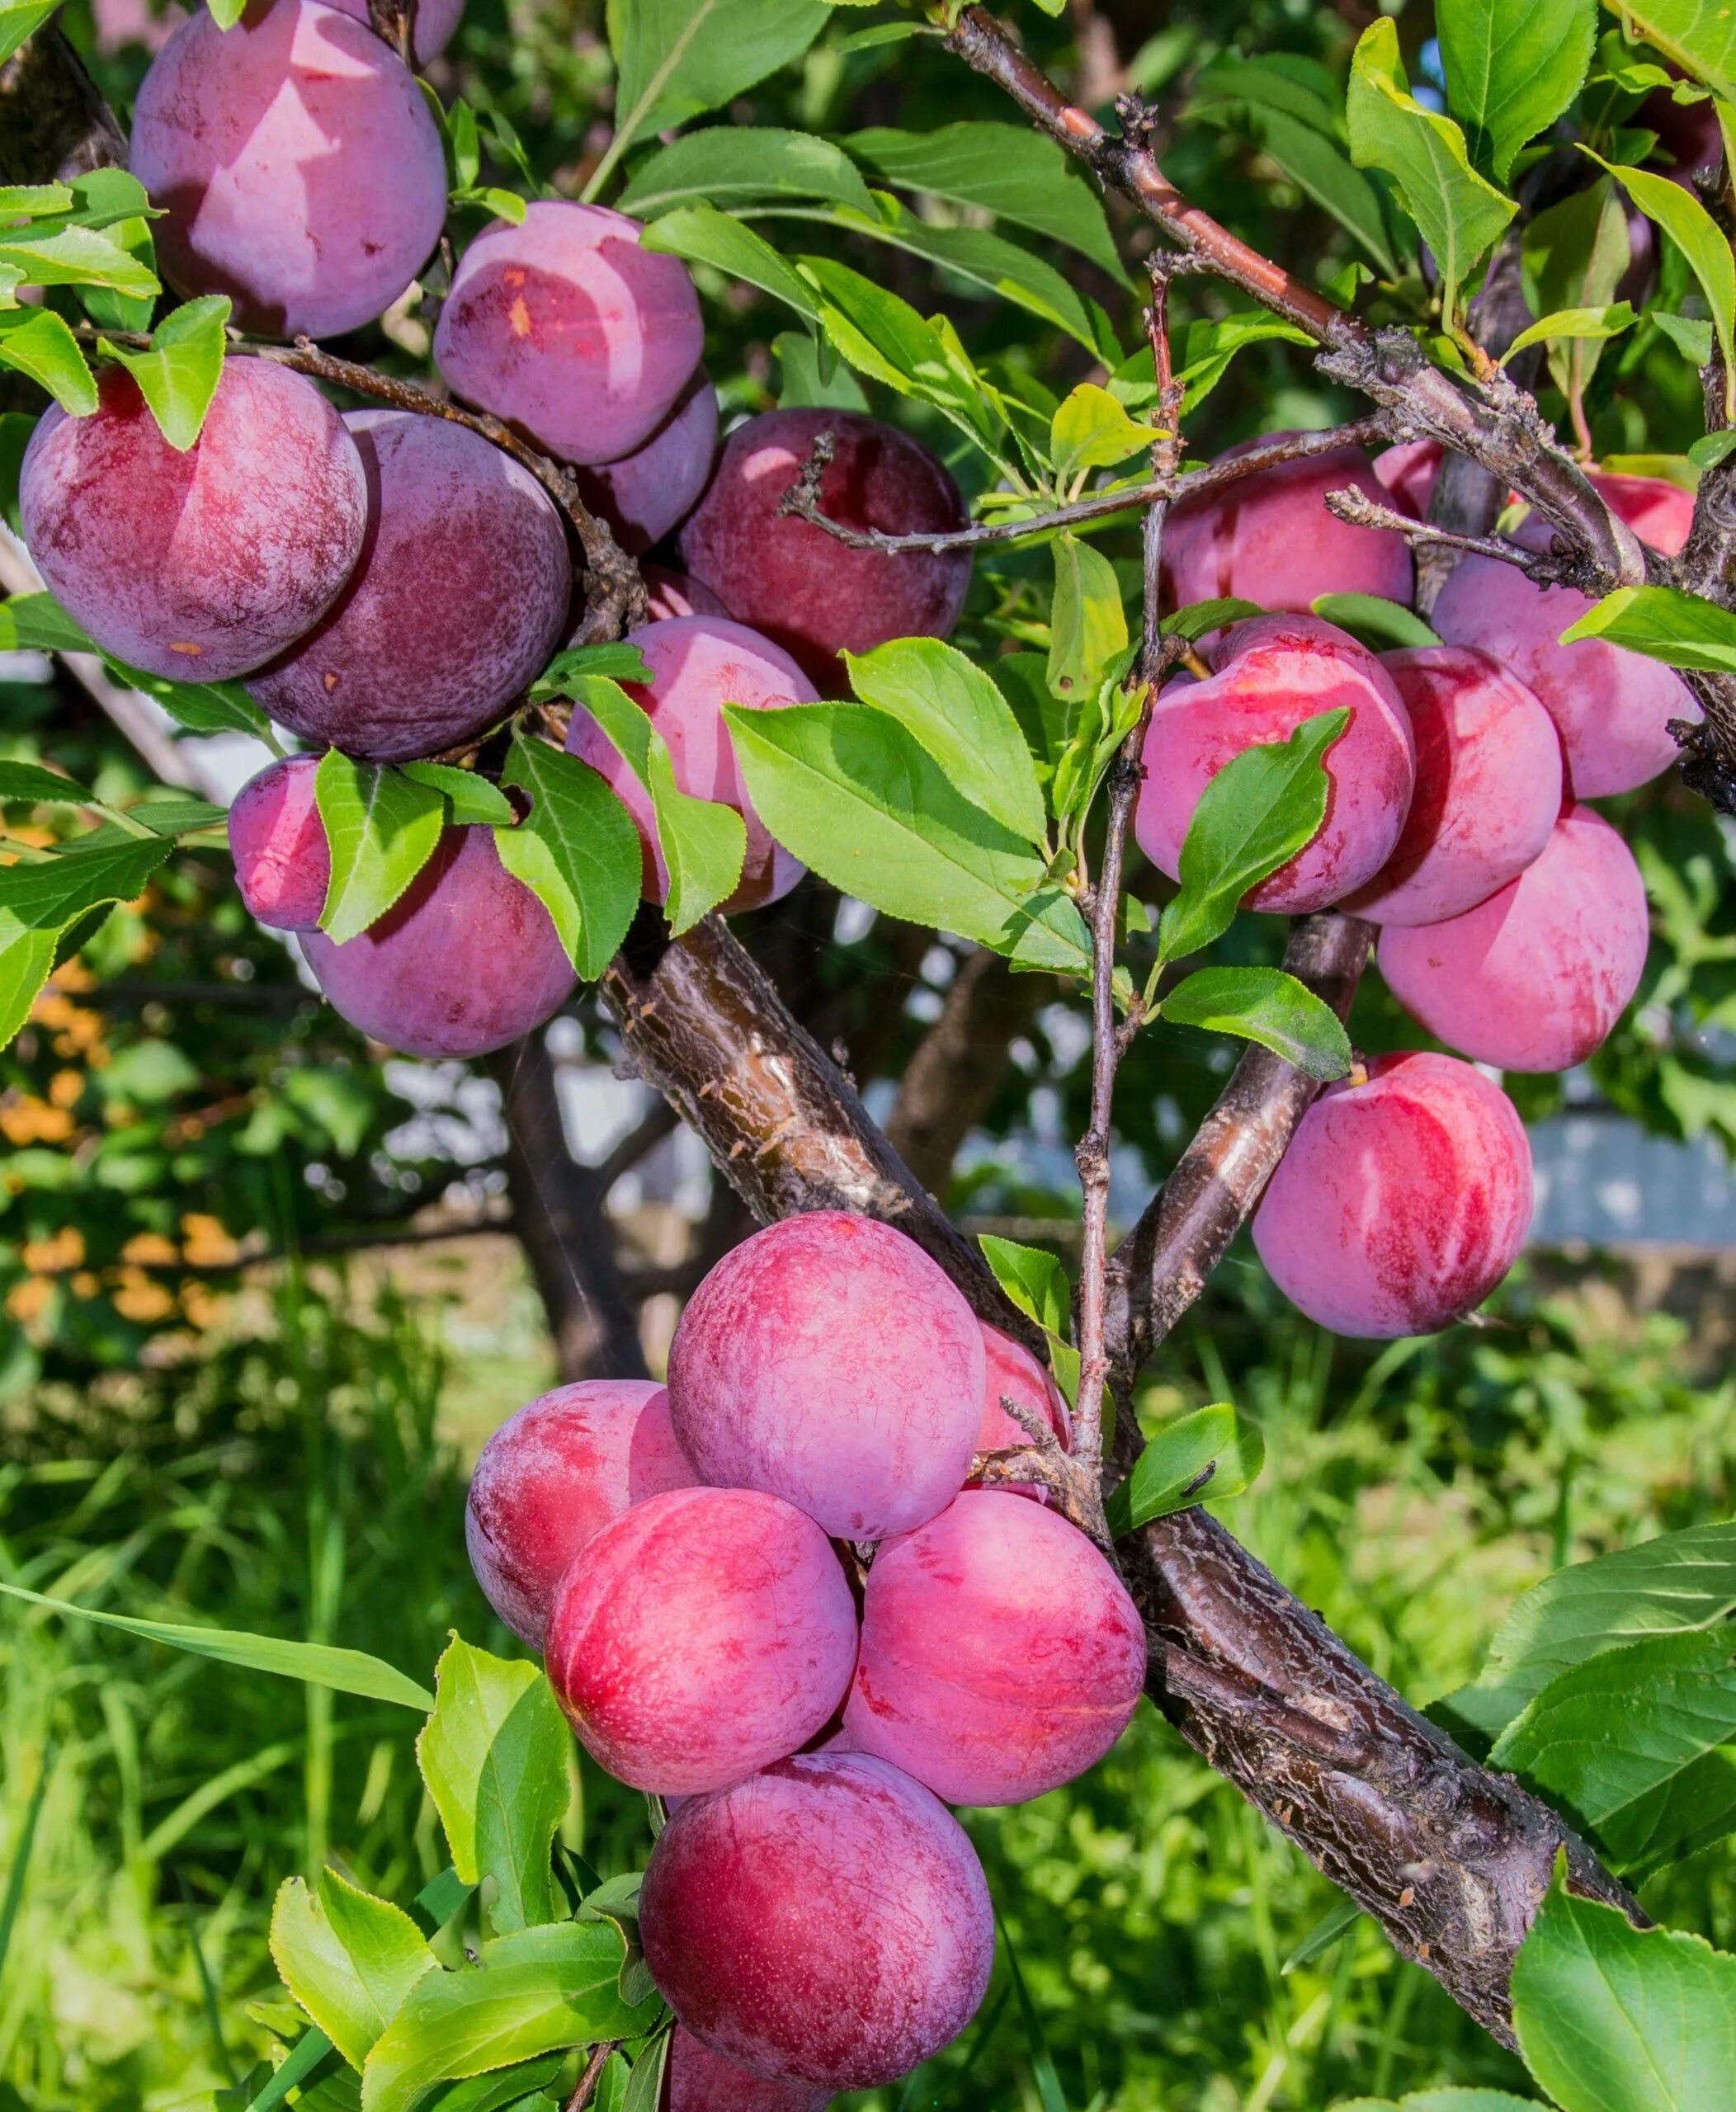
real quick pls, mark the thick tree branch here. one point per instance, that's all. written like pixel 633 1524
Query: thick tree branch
pixel 55 126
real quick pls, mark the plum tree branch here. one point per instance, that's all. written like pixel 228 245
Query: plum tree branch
pixel 1362 512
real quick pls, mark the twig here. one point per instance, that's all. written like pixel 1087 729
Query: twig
pixel 614 594
pixel 588 2082
pixel 802 498
pixel 1362 512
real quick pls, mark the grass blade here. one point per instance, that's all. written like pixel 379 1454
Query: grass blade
pixel 21 1862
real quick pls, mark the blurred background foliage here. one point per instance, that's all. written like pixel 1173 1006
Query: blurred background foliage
pixel 260 1302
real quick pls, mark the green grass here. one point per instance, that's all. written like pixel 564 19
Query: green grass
pixel 301 1485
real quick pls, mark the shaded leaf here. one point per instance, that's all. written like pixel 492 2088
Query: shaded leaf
pixel 1089 622
pixel 1675 209
pixel 382 828
pixel 730 166
pixel 1379 623
pixel 1267 1006
pixel 700 234
pixel 577 851
pixel 676 59
pixel 1511 72
pixel 1173 1469
pixel 470 797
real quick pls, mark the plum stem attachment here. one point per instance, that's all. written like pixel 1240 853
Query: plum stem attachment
pixel 1074 1483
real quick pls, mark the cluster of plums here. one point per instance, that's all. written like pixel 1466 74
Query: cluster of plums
pixel 1512 918
pixel 770 1594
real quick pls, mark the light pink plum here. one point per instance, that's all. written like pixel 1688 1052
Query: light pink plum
pixel 1404 1198
pixel 829 1360
pixel 1408 470
pixel 698 665
pixel 1268 537
pixel 648 493
pixel 702 1635
pixel 700 2081
pixel 1011 1369
pixel 676 594
pixel 283 864
pixel 1534 979
pixel 1001 1654
pixel 567 328
pixel 198 565
pixel 1268 676
pixel 1489 786
pixel 465 960
pixel 816 596
pixel 552 1476
pixel 1613 707
pixel 826 1921
pixel 460 595
pixel 436 21
pixel 300 170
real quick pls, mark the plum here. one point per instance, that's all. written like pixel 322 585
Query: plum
pixel 436 22
pixel 555 1474
pixel 465 960
pixel 1269 538
pixel 1001 1654
pixel 700 2081
pixel 815 596
pixel 460 594
pixel 1613 707
pixel 702 1635
pixel 567 328
pixel 1402 1200
pixel 1011 1369
pixel 299 169
pixel 648 493
pixel 676 594
pixel 1489 786
pixel 699 664
pixel 283 864
pixel 826 1921
pixel 1409 470
pixel 1269 674
pixel 829 1360
pixel 197 565
pixel 1534 979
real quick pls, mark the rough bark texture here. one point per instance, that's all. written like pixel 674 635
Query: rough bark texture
pixel 53 125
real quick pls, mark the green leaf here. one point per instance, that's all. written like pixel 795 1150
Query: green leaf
pixel 517 2089
pixel 383 828
pixel 27 958
pixel 1171 1471
pixel 1613 2019
pixel 1254 816
pixel 1033 1278
pixel 1700 38
pixel 1712 448
pixel 30 201
pixel 37 342
pixel 1609 1737
pixel 65 253
pixel 1664 624
pixel 47 894
pixel 1197 618
pixel 470 798
pixel 1379 623
pixel 274 2085
pixel 1680 1581
pixel 1575 322
pixel 1208 348
pixel 45 788
pixel 1267 1006
pixel 1675 209
pixel 645 2085
pixel 617 1901
pixel 348 1959
pixel 729 166
pixel 704 843
pixel 494 1757
pixel 534 1991
pixel 1511 72
pixel 15 428
pixel 1332 1927
pixel 1089 621
pixel 813 375
pixel 318 1664
pixel 885 338
pixel 200 707
pixel 700 234
pixel 676 59
pixel 1044 719
pixel 1092 432
pixel 1460 214
pixel 1440 2100
pixel 962 719
pixel 179 376
pixel 176 816
pixel 1007 170
pixel 1573 255
pixel 20 19
pixel 616 662
pixel 36 623
pixel 855 795
pixel 577 851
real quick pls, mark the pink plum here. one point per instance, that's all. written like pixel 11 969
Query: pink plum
pixel 1269 675
pixel 567 328
pixel 1402 1200
pixel 813 594
pixel 465 960
pixel 552 1476
pixel 1534 979
pixel 1011 1369
pixel 702 1635
pixel 460 594
pixel 283 864
pixel 826 1921
pixel 1268 537
pixel 198 565
pixel 700 2081
pixel 676 594
pixel 1409 470
pixel 648 493
pixel 829 1360
pixel 699 664
pixel 435 21
pixel 299 168
pixel 1489 786
pixel 1001 1654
